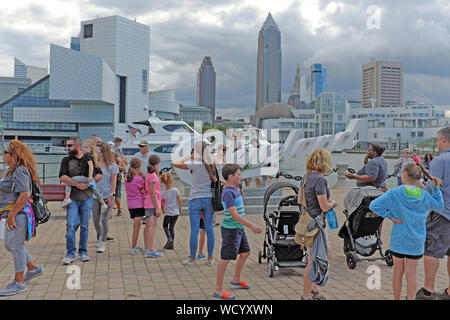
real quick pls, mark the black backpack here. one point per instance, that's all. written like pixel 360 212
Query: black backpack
pixel 39 204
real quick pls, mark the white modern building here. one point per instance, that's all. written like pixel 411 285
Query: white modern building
pixel 164 105
pixel 10 86
pixel 97 90
pixel 34 73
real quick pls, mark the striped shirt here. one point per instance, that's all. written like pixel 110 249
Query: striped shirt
pixel 231 197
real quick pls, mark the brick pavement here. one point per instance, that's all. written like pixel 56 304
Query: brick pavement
pixel 115 274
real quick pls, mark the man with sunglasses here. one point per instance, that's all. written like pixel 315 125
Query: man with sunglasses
pixel 79 210
pixel 401 162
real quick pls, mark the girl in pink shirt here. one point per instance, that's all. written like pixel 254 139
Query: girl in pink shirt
pixel 134 186
pixel 152 205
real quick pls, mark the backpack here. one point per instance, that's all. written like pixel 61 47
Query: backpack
pixel 39 204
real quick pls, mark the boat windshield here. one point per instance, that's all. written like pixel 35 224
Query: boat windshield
pixel 177 127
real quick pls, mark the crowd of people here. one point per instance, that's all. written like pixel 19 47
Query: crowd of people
pixel 94 172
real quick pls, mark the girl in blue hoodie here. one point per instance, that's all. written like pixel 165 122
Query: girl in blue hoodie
pixel 407 207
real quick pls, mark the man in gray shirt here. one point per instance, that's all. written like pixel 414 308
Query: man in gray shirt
pixel 437 243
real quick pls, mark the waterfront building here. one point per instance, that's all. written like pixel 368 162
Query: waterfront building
pixel 10 86
pixel 268 69
pixel 164 105
pixel 97 90
pixel 382 84
pixel 190 114
pixel 206 86
pixel 331 110
pixel 34 73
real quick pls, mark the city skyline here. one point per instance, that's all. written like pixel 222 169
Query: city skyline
pixel 331 33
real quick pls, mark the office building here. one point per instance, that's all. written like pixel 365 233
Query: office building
pixel 21 70
pixel 382 84
pixel 75 43
pixel 294 97
pixel 316 82
pixel 268 70
pixel 206 86
pixel 162 102
pixel 190 114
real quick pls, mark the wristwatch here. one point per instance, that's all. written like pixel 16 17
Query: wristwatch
pixel 112 195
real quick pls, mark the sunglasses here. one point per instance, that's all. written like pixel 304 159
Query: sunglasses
pixel 70 145
pixel 7 152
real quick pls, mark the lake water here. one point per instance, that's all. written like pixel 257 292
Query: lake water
pixel 294 167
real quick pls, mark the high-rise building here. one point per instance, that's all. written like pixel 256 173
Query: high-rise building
pixel 382 84
pixel 268 73
pixel 206 86
pixel 75 43
pixel 316 82
pixel 21 70
pixel 294 97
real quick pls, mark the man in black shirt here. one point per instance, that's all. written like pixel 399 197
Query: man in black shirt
pixel 79 210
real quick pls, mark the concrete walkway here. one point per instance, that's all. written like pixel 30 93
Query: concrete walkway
pixel 115 274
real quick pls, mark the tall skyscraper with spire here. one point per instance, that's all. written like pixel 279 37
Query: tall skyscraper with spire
pixel 268 74
pixel 294 97
pixel 206 86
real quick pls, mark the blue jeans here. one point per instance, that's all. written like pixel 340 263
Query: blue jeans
pixel 78 214
pixel 196 206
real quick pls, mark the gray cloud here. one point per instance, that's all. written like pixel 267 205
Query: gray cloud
pixel 182 32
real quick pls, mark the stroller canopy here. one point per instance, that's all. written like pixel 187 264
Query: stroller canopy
pixel 274 187
pixel 356 195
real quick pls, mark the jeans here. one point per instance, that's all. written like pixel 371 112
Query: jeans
pixel 15 243
pixel 101 219
pixel 169 226
pixel 78 214
pixel 399 181
pixel 197 206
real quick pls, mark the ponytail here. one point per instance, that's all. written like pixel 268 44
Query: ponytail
pixel 135 163
pixel 153 160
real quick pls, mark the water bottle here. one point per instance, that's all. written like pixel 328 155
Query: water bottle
pixel 332 220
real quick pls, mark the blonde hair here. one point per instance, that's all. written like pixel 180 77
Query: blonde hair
pixel 135 164
pixel 319 160
pixel 166 178
pixel 91 143
pixel 414 171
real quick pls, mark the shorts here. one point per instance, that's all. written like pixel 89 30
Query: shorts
pixel 234 242
pixel 202 224
pixel 150 212
pixel 437 243
pixel 138 212
pixel 402 256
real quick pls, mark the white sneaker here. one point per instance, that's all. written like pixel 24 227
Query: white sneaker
pixel 66 202
pixel 100 247
pixel 104 208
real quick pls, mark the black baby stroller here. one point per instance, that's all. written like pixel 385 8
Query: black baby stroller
pixel 280 248
pixel 360 229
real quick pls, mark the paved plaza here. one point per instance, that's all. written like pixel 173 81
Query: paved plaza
pixel 115 274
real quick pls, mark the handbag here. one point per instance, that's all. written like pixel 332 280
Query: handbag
pixel 303 237
pixel 39 204
pixel 217 189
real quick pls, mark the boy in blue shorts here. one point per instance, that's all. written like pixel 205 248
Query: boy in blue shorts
pixel 234 241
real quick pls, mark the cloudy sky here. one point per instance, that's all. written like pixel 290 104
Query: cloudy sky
pixel 342 35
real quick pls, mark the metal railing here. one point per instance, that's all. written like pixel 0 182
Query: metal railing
pixel 42 168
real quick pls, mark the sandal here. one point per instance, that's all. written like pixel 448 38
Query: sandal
pixel 241 284
pixel 317 296
pixel 119 213
pixel 225 296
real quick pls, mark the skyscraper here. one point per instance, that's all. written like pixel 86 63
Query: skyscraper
pixel 75 43
pixel 21 70
pixel 294 97
pixel 206 86
pixel 268 74
pixel 382 84
pixel 316 82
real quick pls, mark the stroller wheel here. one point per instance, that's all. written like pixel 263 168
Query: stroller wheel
pixel 352 259
pixel 270 268
pixel 347 247
pixel 259 257
pixel 389 260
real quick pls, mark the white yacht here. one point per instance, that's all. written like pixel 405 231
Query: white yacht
pixel 162 137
